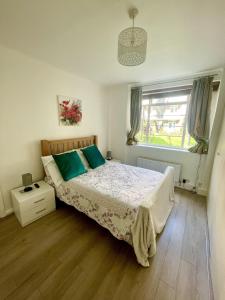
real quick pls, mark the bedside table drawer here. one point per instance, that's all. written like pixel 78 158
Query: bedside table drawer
pixel 37 212
pixel 46 204
pixel 38 201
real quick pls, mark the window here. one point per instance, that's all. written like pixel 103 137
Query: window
pixel 164 118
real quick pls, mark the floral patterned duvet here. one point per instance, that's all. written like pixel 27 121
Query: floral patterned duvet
pixel 111 195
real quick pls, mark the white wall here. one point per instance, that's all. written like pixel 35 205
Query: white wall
pixel 216 214
pixel 28 113
pixel 118 103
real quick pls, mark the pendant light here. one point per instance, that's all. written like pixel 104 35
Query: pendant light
pixel 132 44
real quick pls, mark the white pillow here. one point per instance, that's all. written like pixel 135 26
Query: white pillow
pixel 52 170
pixel 83 159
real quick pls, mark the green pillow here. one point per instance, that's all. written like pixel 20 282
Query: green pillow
pixel 93 156
pixel 69 164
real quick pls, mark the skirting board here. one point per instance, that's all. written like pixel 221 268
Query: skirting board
pixel 190 187
pixel 187 186
pixel 9 211
pixel 6 213
pixel 202 192
pixel 199 190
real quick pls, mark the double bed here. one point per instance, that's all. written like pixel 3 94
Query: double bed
pixel 132 203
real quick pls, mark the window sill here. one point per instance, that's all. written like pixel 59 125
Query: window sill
pixel 161 148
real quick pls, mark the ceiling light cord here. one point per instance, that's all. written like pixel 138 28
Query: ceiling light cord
pixel 132 39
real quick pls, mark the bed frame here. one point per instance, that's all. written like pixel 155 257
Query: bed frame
pixel 49 147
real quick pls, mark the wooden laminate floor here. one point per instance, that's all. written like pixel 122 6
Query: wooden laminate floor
pixel 66 255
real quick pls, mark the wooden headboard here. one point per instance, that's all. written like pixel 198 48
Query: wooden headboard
pixel 59 146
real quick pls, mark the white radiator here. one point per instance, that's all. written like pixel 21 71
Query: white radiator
pixel 160 166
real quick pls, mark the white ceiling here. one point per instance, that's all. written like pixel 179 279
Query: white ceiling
pixel 80 36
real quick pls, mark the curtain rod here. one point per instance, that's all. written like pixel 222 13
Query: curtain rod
pixel 174 80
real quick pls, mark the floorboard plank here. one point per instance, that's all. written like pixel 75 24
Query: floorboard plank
pixel 186 282
pixel 165 292
pixel 171 263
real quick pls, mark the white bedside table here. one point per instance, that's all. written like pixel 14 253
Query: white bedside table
pixel 30 206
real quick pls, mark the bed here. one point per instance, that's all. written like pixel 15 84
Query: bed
pixel 132 203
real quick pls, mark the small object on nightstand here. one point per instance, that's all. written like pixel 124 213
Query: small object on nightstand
pixel 27 182
pixel 26 179
pixel 28 189
pixel 31 206
pixel 109 155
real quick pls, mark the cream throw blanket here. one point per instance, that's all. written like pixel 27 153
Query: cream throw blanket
pixel 143 231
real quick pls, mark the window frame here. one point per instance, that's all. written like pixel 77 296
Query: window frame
pixel 166 94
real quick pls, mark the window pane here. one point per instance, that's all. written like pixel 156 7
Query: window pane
pixel 163 122
pixel 165 130
pixel 188 141
pixel 170 141
pixel 145 102
pixel 169 99
pixel 168 112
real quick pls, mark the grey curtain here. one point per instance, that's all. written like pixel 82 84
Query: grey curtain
pixel 198 115
pixel 135 115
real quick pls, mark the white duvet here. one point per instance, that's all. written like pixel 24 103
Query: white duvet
pixel 132 203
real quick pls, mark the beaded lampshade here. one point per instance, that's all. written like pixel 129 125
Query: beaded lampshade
pixel 132 44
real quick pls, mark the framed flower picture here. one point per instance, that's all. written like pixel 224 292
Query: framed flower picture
pixel 70 111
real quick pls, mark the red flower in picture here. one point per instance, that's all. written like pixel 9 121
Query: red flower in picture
pixel 70 112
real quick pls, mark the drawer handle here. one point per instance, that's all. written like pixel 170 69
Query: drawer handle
pixel 39 200
pixel 40 211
